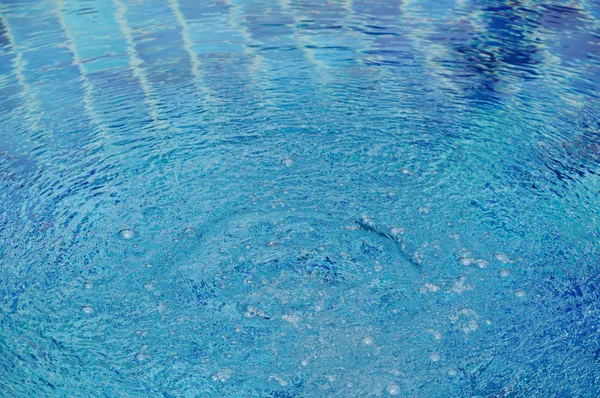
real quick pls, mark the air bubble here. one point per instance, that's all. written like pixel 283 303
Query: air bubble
pixel 282 382
pixel 436 335
pixel 287 162
pixel 520 293
pixel 481 263
pixel 368 340
pixel 466 261
pixel 502 257
pixel 127 233
pixel 88 285
pixel 435 357
pixel 395 231
pixel 392 389
pixel 293 319
pixel 367 220
pixel 189 232
pixel 222 375
pixel 141 356
pixel 432 287
pixel 272 243
pixel 504 273
pixel 87 309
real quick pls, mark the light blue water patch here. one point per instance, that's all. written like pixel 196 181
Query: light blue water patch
pixel 299 199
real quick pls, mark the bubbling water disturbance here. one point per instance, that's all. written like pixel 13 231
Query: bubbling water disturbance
pixel 222 157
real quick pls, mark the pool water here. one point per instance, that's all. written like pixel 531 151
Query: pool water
pixel 299 198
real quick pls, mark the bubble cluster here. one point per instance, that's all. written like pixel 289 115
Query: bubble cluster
pixel 433 288
pixel 222 375
pixel 252 312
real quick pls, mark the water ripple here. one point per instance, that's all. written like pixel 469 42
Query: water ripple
pixel 180 185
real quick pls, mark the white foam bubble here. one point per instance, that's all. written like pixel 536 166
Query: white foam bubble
pixel 502 257
pixel 460 286
pixel 520 293
pixel 287 162
pixel 87 309
pixel 435 357
pixel 395 231
pixel 368 340
pixel 432 287
pixel 127 233
pixel 470 327
pixel 282 382
pixel 392 389
pixel 466 261
pixel 293 319
pixel 222 375
pixel 504 273
pixel 367 220
pixel 272 243
pixel 141 356
pixel 88 285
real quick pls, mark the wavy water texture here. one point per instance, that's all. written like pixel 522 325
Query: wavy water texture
pixel 298 198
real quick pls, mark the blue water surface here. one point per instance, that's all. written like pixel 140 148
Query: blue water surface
pixel 299 198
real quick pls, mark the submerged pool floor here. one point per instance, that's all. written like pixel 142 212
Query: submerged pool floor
pixel 243 198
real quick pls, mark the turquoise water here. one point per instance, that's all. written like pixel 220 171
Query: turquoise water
pixel 297 198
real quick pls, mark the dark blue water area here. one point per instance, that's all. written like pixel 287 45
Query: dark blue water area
pixel 294 198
